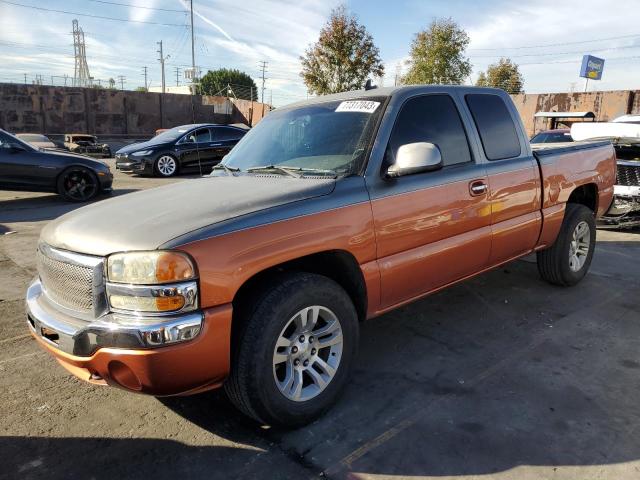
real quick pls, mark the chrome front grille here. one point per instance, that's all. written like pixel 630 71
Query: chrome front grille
pixel 70 280
pixel 628 175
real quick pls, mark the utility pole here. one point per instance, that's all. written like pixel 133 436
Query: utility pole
pixel 121 79
pixel 193 53
pixel 177 76
pixel 162 59
pixel 146 85
pixel 263 67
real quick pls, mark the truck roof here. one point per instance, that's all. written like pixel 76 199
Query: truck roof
pixel 390 91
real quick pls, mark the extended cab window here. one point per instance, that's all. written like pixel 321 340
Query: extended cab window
pixel 433 119
pixel 495 126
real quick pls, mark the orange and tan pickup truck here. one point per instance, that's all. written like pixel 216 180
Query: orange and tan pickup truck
pixel 330 212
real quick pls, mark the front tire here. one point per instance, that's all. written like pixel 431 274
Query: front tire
pixel 166 166
pixel 78 184
pixel 568 260
pixel 294 351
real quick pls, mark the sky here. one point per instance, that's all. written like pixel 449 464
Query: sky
pixel 547 38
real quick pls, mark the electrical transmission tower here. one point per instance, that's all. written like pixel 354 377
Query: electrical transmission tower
pixel 121 79
pixel 81 77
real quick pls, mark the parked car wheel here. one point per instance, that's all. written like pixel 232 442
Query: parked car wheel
pixel 294 351
pixel 568 260
pixel 166 166
pixel 78 184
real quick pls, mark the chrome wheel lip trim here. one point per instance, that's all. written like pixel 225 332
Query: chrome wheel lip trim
pixel 166 165
pixel 306 351
pixel 579 246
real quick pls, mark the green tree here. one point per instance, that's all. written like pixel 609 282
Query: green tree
pixel 342 58
pixel 437 55
pixel 216 82
pixel 141 89
pixel 112 84
pixel 505 75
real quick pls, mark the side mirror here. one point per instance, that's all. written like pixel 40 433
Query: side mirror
pixel 415 158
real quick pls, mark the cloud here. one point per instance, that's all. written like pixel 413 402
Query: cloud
pixel 241 34
pixel 142 14
pixel 546 22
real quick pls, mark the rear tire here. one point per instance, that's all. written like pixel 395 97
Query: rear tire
pixel 278 345
pixel 567 261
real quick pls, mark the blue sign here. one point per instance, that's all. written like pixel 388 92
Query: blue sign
pixel 592 67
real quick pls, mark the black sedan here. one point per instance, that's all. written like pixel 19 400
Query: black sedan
pixel 77 178
pixel 195 146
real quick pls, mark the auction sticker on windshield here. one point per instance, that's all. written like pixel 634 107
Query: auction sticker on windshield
pixel 364 106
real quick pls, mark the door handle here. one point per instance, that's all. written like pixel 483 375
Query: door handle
pixel 477 188
pixel 215 144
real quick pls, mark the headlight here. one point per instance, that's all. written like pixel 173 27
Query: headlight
pixel 141 153
pixel 152 282
pixel 150 268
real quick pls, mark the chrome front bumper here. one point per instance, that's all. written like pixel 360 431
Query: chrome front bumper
pixel 80 337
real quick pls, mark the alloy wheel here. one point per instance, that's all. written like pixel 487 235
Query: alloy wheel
pixel 579 246
pixel 79 185
pixel 166 166
pixel 307 353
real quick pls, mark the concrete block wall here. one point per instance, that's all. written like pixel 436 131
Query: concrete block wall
pixel 58 110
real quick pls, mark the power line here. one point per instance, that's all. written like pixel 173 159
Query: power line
pixel 138 6
pixel 556 44
pixel 556 53
pixel 113 19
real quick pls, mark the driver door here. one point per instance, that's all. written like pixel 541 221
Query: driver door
pixel 432 228
pixel 195 149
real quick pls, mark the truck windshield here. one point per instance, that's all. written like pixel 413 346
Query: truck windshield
pixel 328 138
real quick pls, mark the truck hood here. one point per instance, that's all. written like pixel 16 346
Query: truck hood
pixel 147 219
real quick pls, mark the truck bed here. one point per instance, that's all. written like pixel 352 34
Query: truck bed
pixel 544 149
pixel 565 166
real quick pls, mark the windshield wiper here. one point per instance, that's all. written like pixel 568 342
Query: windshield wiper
pixel 229 170
pixel 286 170
pixel 320 171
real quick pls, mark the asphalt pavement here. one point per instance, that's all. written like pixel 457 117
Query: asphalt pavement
pixel 499 377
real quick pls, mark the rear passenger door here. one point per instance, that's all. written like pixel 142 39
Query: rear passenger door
pixel 514 177
pixel 431 228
